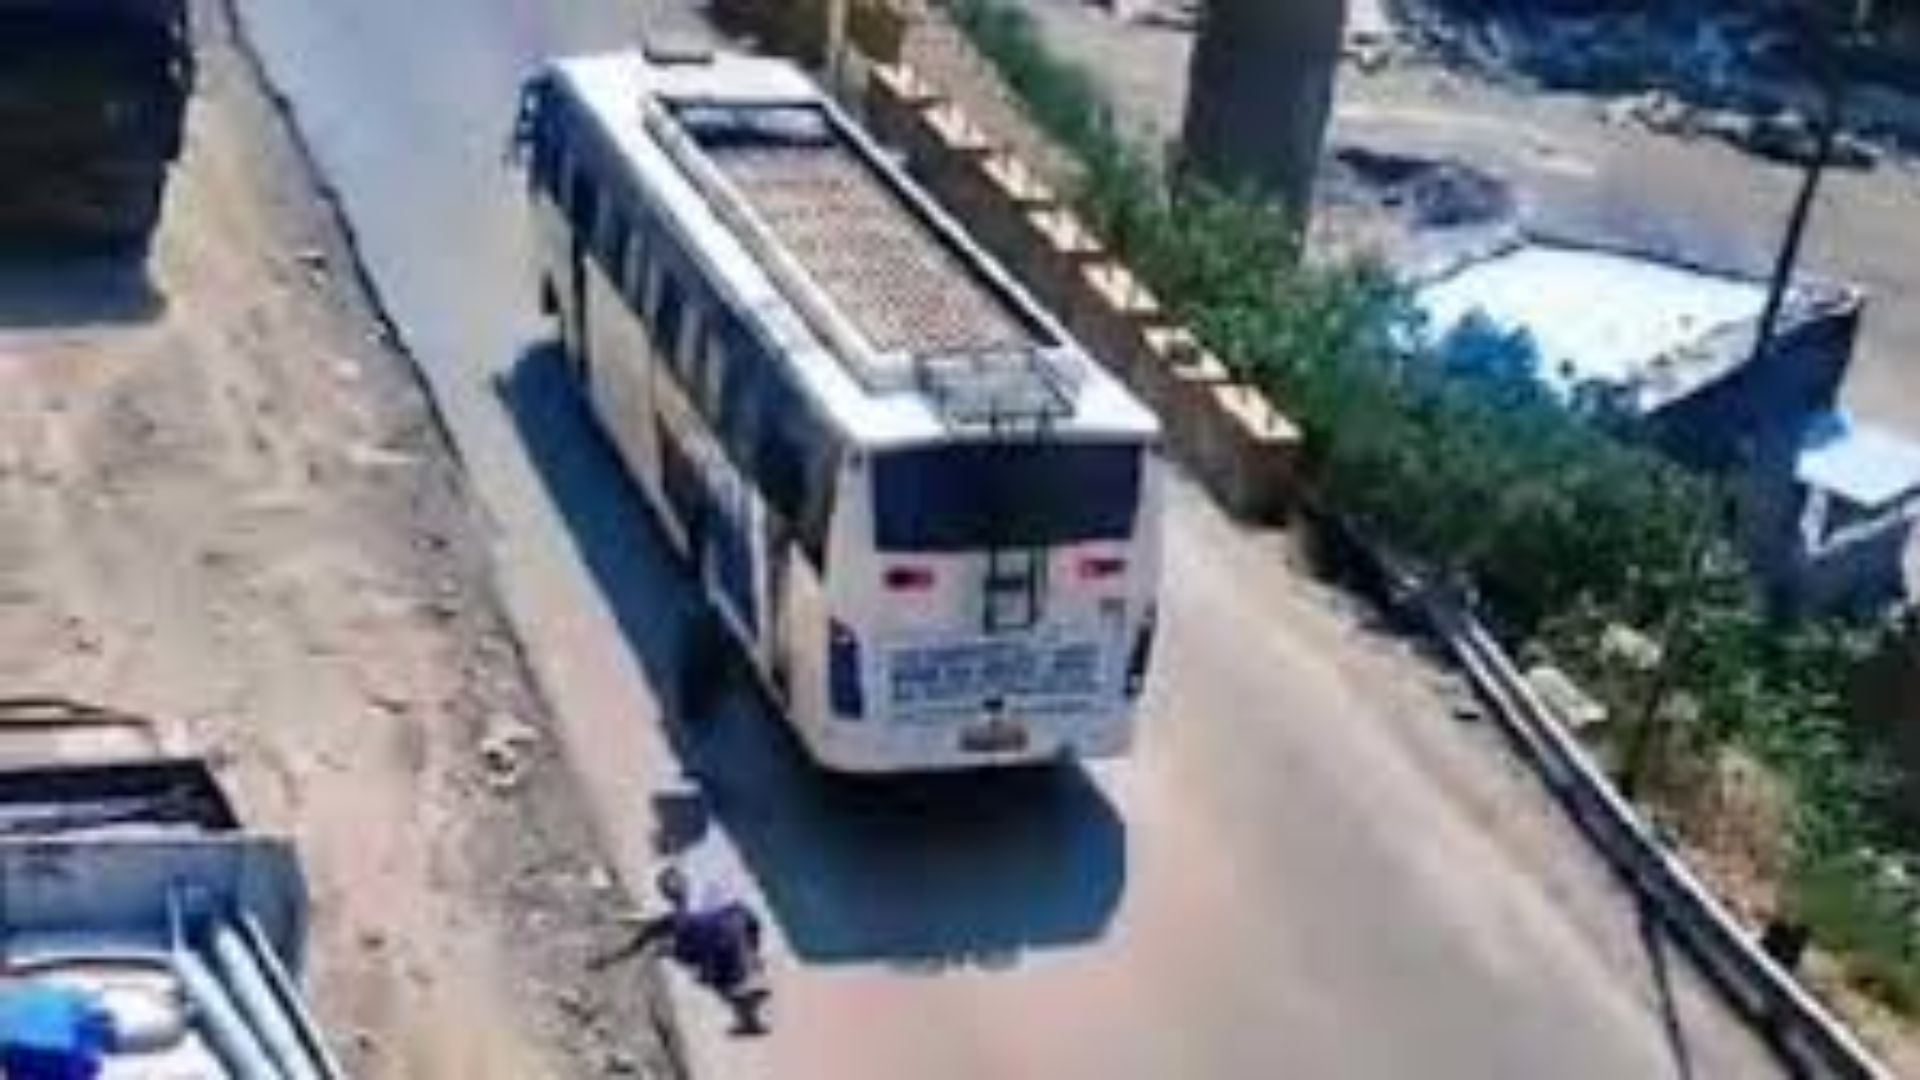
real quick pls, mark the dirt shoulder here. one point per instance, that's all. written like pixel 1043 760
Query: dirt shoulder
pixel 223 500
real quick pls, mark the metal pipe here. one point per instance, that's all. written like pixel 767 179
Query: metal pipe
pixel 254 993
pixel 273 964
pixel 236 1044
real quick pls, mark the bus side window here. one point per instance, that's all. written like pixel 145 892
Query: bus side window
pixel 633 273
pixel 711 374
pixel 546 146
pixel 684 354
pixel 820 472
pixel 743 415
pixel 550 139
pixel 583 202
pixel 796 463
pixel 653 279
pixel 610 242
pixel 670 305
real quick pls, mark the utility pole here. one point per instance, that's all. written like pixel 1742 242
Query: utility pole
pixel 1648 735
pixel 836 45
pixel 1832 105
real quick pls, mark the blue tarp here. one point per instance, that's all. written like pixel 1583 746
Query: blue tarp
pixel 52 1032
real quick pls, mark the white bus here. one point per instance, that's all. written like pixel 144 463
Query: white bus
pixel 929 520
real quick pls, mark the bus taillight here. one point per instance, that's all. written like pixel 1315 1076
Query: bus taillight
pixel 844 693
pixel 1101 567
pixel 909 578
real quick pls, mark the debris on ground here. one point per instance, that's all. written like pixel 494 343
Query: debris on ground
pixel 1370 54
pixel 1168 14
pixel 1431 193
pixel 1784 135
pixel 1743 77
pixel 503 751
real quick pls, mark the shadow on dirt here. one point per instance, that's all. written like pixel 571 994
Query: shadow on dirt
pixel 44 291
pixel 930 872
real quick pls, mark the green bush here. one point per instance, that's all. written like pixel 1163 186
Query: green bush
pixel 1869 920
pixel 1564 526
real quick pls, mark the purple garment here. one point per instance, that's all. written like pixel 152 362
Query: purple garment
pixel 719 944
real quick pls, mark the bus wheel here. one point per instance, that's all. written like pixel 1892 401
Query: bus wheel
pixel 549 298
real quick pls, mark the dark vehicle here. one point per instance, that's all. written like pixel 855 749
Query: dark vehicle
pixel 93 97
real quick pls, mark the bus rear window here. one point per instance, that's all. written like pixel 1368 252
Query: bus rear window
pixel 974 496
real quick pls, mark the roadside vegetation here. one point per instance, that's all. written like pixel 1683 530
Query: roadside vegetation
pixel 1453 454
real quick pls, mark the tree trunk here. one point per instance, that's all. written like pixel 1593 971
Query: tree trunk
pixel 1261 89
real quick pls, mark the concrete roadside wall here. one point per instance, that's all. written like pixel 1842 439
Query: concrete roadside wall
pixel 798 28
pixel 1242 448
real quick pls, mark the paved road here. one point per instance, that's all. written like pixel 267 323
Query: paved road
pixel 1309 870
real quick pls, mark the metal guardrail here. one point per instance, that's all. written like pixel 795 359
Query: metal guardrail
pixel 1809 1038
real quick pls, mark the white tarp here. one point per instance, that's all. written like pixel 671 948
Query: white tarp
pixel 1593 315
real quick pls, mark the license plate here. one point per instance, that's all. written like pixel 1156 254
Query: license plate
pixel 994 737
pixel 924 676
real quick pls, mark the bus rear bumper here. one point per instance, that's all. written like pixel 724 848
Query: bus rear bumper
pixel 870 747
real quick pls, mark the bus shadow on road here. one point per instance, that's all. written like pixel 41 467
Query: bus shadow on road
pixel 930 873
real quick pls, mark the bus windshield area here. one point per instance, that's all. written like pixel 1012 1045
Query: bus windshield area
pixel 962 497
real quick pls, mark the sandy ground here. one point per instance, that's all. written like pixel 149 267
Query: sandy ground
pixel 223 501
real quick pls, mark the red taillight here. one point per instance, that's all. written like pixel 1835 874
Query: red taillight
pixel 1101 567
pixel 909 578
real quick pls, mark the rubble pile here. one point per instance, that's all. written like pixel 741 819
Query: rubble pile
pixel 1745 75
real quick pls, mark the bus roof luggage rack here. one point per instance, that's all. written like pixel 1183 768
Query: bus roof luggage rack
pixel 862 260
pixel 999 389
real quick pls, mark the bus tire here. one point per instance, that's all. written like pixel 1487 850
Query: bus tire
pixel 549 298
